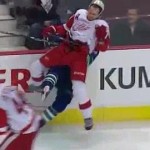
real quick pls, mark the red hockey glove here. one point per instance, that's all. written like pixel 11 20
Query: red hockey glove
pixel 103 38
pixel 48 31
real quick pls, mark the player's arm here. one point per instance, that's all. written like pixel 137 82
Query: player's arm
pixel 103 37
pixel 59 29
pixel 3 122
pixel 103 41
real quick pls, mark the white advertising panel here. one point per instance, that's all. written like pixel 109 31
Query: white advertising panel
pixel 116 78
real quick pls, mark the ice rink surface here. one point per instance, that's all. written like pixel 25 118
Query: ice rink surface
pixel 111 136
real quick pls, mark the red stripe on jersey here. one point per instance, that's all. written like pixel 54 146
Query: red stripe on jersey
pixel 38 79
pixel 30 124
pixel 85 105
pixel 7 140
pixel 70 22
pixel 3 130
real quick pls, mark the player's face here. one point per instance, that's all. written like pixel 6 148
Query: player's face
pixel 133 16
pixel 93 13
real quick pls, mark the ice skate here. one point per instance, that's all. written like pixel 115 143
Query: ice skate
pixel 88 123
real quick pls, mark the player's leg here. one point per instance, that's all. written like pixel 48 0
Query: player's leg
pixel 39 67
pixel 57 75
pixel 37 71
pixel 80 93
pixel 78 74
pixel 64 90
pixel 49 81
pixel 63 98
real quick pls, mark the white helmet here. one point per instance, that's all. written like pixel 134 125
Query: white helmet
pixel 99 3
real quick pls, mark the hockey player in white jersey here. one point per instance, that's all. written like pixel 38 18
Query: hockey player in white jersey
pixel 85 32
pixel 17 120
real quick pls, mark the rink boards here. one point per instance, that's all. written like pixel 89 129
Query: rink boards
pixel 118 84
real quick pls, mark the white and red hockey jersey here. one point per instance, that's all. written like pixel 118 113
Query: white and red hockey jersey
pixel 3 122
pixel 95 33
pixel 15 113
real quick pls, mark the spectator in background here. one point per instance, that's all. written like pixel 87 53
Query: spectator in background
pixel 38 18
pixel 133 31
pixel 2 2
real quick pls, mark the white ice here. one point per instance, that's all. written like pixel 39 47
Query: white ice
pixel 111 136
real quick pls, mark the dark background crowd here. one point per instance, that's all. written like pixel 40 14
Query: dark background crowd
pixel 129 20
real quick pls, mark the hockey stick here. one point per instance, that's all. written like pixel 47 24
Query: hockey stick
pixel 33 38
pixel 41 40
pixel 66 40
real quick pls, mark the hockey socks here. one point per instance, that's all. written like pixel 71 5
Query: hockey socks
pixel 50 80
pixel 48 114
pixel 86 110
